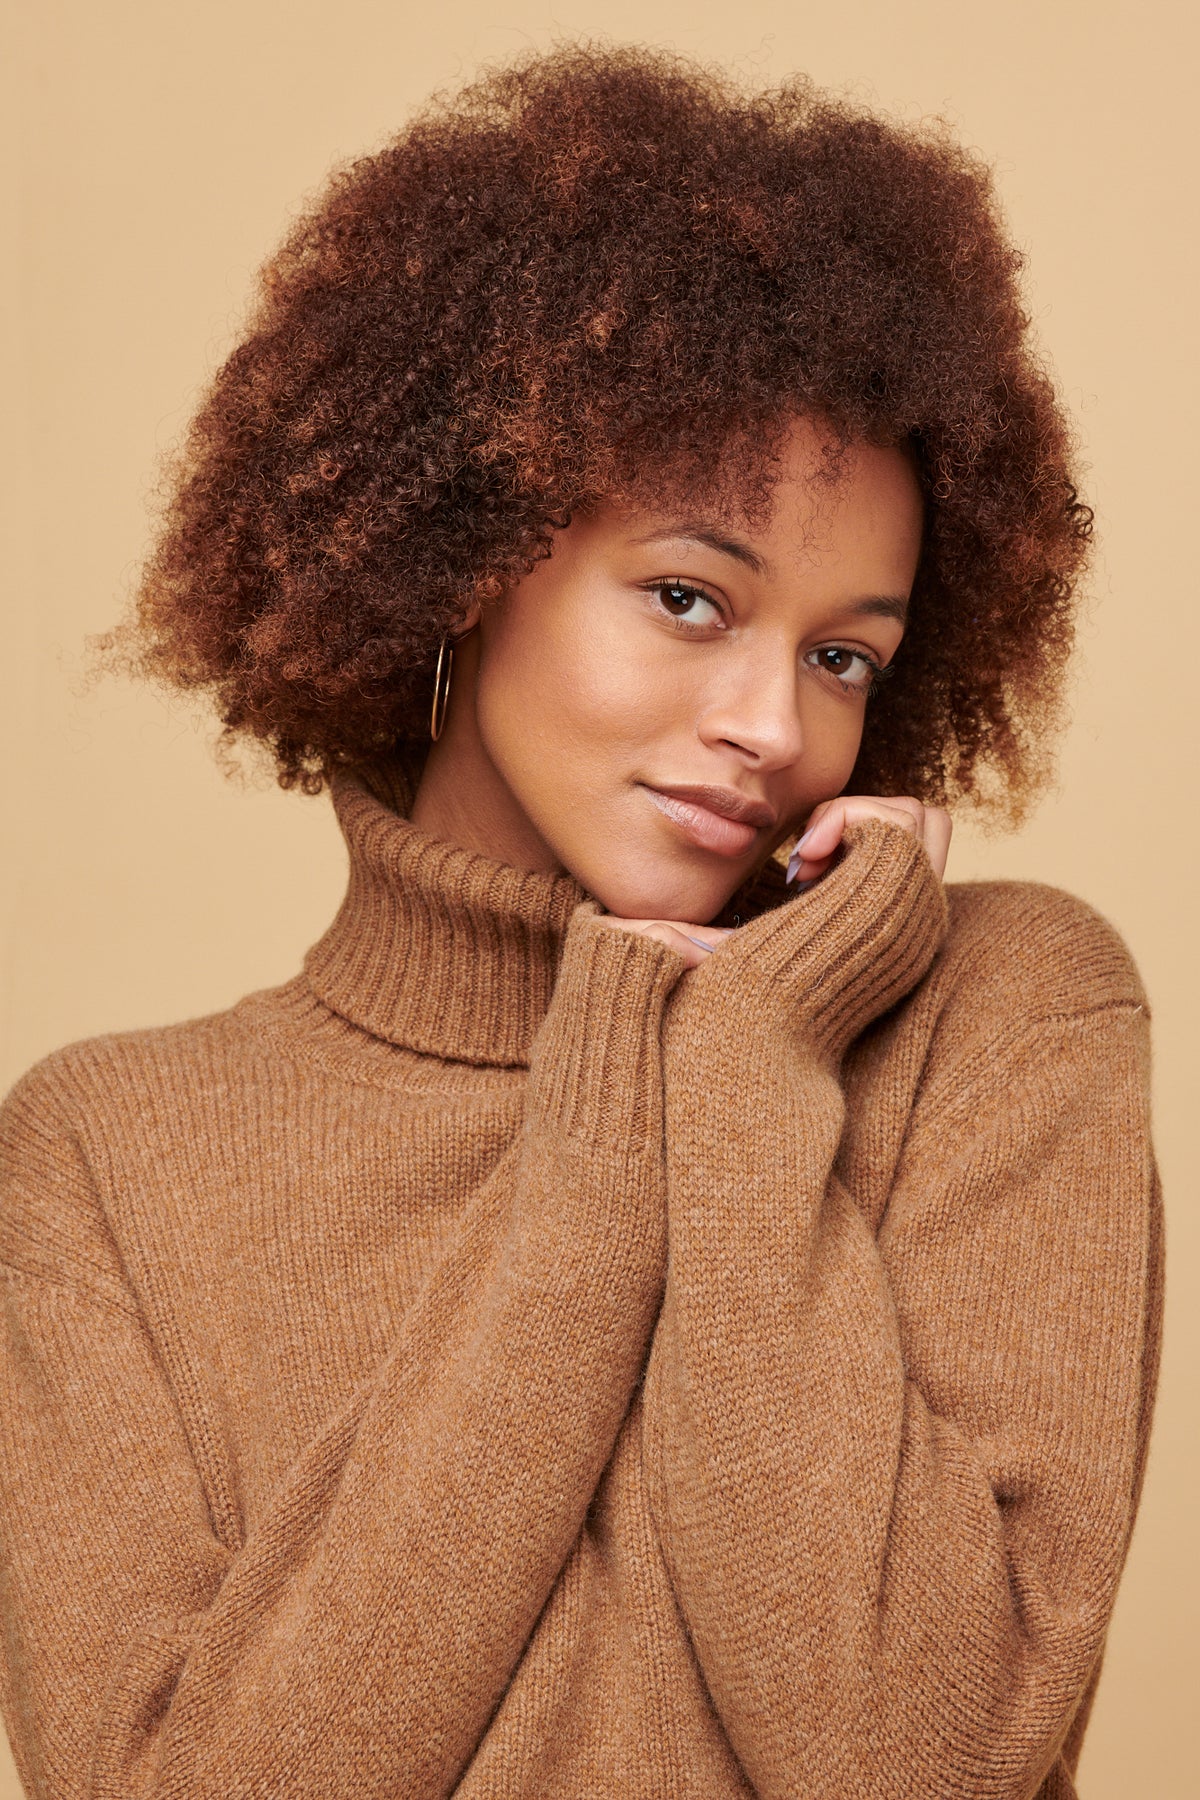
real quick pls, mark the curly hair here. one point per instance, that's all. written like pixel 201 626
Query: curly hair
pixel 588 274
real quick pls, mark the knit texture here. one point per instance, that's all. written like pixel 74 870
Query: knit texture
pixel 500 1362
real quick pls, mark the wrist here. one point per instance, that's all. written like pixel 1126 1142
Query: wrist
pixel 596 1065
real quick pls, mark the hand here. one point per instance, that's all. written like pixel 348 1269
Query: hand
pixel 827 823
pixel 826 826
pixel 695 943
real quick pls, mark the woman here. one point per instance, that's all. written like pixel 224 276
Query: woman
pixel 640 1313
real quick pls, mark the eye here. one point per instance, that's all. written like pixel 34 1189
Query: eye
pixel 852 669
pixel 686 605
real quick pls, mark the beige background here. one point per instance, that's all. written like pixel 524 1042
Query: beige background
pixel 162 149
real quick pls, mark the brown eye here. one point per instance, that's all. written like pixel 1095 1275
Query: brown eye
pixel 691 605
pixel 852 668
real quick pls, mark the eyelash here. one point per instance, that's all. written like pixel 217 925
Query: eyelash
pixel 878 672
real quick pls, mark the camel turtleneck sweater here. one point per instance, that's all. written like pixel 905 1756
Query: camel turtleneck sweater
pixel 499 1362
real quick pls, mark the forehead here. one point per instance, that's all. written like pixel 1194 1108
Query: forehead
pixel 861 514
pixel 790 487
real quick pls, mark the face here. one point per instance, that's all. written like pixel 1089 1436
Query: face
pixel 661 703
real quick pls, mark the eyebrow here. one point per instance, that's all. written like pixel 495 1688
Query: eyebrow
pixel 878 606
pixel 715 540
pixel 881 606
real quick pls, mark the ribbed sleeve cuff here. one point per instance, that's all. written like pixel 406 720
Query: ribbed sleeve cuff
pixel 833 959
pixel 595 1068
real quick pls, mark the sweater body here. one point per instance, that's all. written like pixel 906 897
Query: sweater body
pixel 301 1217
pixel 632 1385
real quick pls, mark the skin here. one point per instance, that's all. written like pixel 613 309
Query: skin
pixel 682 649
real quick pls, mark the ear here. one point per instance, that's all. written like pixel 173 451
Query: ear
pixel 470 620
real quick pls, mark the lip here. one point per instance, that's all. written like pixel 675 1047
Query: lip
pixel 714 818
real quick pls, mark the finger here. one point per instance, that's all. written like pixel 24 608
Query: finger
pixel 894 809
pixel 828 822
pixel 710 935
pixel 804 869
pixel 694 943
pixel 824 834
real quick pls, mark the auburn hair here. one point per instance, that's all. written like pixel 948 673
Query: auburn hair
pixel 593 273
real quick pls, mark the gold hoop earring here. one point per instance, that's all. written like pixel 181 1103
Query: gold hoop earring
pixel 441 688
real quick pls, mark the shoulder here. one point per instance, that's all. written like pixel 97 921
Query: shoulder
pixel 1031 951
pixel 1033 1009
pixel 114 1070
pixel 89 1102
pixel 86 1108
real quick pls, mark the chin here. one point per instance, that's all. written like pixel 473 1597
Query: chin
pixel 666 891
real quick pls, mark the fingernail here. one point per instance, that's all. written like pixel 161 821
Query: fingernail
pixel 797 856
pixel 802 887
pixel 691 940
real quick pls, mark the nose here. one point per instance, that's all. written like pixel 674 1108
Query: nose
pixel 756 710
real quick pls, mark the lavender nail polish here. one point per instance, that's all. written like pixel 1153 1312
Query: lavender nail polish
pixel 797 856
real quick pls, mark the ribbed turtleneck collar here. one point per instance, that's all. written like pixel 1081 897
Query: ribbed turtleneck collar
pixel 443 950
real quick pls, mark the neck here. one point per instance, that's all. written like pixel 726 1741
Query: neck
pixel 436 947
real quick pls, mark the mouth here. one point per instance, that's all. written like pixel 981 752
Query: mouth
pixel 714 818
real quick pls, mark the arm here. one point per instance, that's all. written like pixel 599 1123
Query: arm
pixel 896 1475
pixel 358 1640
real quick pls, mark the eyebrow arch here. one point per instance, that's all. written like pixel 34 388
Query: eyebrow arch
pixel 881 606
pixel 713 539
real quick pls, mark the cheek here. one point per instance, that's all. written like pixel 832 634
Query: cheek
pixel 837 739
pixel 560 691
pixel 831 735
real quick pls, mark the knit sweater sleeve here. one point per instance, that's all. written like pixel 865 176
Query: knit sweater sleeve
pixel 357 1641
pixel 895 1465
